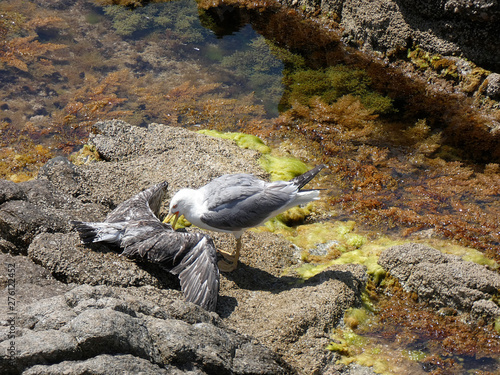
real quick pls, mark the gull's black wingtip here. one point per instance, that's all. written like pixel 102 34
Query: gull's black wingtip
pixel 86 232
pixel 303 179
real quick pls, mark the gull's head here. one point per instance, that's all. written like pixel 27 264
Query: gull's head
pixel 180 204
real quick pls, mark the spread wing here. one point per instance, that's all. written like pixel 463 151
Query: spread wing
pixel 192 256
pixel 99 232
pixel 246 206
pixel 142 206
pixel 199 274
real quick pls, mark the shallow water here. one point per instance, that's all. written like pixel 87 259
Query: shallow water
pixel 405 160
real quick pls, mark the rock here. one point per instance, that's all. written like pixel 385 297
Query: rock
pixel 105 364
pixel 35 207
pixel 97 325
pixel 10 191
pixel 485 309
pixel 493 86
pixel 62 254
pixel 293 318
pixel 32 282
pixel 441 279
pixel 452 27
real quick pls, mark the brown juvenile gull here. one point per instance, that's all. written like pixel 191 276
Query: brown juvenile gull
pixel 234 203
pixel 134 226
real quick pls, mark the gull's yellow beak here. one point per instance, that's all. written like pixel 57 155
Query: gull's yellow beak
pixel 175 215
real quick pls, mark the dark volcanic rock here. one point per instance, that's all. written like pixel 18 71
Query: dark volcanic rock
pixel 443 280
pixel 69 261
pixel 89 326
pixel 37 206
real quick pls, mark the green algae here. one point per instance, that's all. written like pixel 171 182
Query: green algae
pixel 260 69
pixel 354 317
pixel 176 17
pixel 246 141
pixel 361 256
pixel 282 168
pixel 345 339
pixel 356 348
pixel 87 154
pixel 309 236
pixel 425 60
pixel 295 215
pixel 468 254
pixel 414 355
pixel 279 167
pixel 333 83
pixel 354 248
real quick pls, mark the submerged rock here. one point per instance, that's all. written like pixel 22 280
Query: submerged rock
pixel 92 310
pixel 443 280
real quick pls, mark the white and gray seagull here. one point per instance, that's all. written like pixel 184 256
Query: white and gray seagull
pixel 234 203
pixel 134 226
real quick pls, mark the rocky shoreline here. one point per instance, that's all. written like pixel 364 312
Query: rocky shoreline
pixel 88 310
pixel 452 46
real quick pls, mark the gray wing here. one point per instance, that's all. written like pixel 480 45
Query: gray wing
pixel 199 274
pixel 252 207
pixel 192 256
pixel 231 188
pixel 142 206
pixel 99 232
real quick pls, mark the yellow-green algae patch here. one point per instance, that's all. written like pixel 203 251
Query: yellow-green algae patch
pixel 355 348
pixel 366 352
pixel 353 247
pixel 182 222
pixel 282 168
pixel 242 140
pixel 279 167
pixel 414 355
pixel 87 154
pixel 466 253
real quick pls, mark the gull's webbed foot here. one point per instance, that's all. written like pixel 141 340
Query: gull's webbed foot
pixel 230 261
pixel 226 266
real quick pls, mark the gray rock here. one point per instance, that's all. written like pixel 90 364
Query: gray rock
pixel 104 364
pixel 62 254
pixel 441 279
pixel 453 27
pixel 32 282
pixel 96 323
pixel 485 309
pixel 37 206
pixel 493 86
pixel 10 191
pixel 21 221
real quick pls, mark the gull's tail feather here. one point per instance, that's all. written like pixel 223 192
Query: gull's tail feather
pixel 98 232
pixel 303 179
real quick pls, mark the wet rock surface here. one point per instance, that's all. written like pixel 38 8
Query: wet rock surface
pixel 443 280
pixel 451 27
pixel 89 309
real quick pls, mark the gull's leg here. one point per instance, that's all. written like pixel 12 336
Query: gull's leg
pixel 230 261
